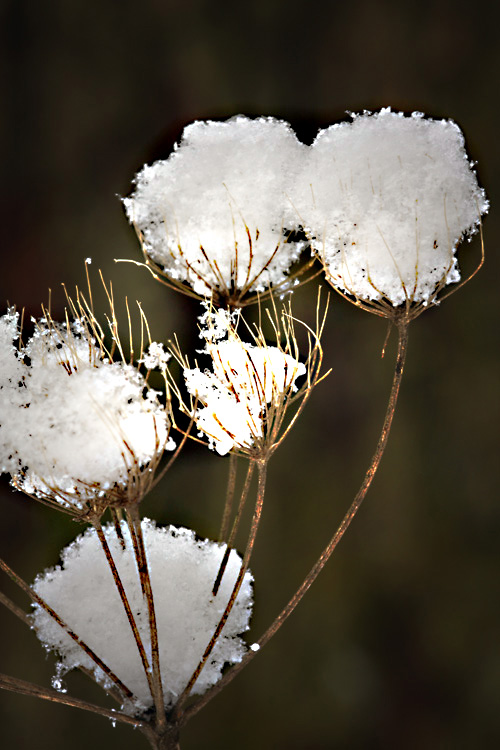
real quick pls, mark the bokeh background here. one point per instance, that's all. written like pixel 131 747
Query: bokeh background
pixel 397 644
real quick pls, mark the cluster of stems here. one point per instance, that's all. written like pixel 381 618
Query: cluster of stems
pixel 160 725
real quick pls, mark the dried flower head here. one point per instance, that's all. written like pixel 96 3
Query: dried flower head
pixel 215 215
pixel 182 569
pixel 77 430
pixel 386 200
pixel 245 396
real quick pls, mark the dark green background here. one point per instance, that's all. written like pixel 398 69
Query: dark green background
pixel 397 645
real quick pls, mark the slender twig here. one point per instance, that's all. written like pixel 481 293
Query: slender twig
pixel 116 517
pixel 234 529
pixel 228 506
pixel 402 325
pixel 126 604
pixel 43 604
pixel 16 685
pixel 25 618
pixel 262 471
pixel 17 611
pixel 134 522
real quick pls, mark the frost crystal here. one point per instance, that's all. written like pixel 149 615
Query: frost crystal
pixel 386 199
pixel 72 423
pixel 182 570
pixel 246 383
pixel 214 214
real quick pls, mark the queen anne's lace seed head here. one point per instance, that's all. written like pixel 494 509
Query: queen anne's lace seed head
pixel 386 199
pixel 248 385
pixel 75 428
pixel 215 214
pixel 182 570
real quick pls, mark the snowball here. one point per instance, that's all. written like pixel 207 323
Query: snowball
pixel 182 570
pixel 386 199
pixel 245 379
pixel 72 423
pixel 214 214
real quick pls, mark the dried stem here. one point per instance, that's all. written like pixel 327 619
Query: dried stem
pixel 231 481
pixel 166 740
pixel 143 568
pixel 17 611
pixel 402 324
pixel 25 618
pixel 236 523
pixel 28 688
pixel 43 604
pixel 126 605
pixel 262 471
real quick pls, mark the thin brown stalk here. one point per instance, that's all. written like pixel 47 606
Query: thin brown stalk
pixel 116 517
pixel 234 529
pixel 168 739
pixel 23 687
pixel 402 325
pixel 25 618
pixel 262 470
pixel 228 506
pixel 126 604
pixel 17 611
pixel 43 604
pixel 143 568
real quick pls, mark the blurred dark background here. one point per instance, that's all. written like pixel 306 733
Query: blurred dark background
pixel 397 644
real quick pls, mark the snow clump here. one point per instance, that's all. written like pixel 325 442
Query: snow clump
pixel 215 214
pixel 72 423
pixel 386 199
pixel 246 384
pixel 182 569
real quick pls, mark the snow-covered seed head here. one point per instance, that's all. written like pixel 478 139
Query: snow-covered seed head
pixel 77 430
pixel 182 570
pixel 215 218
pixel 386 199
pixel 240 403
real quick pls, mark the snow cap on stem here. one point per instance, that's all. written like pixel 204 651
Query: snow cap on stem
pixel 386 199
pixel 77 430
pixel 182 570
pixel 215 215
pixel 245 396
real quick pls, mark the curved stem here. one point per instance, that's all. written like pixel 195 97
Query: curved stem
pixel 234 529
pixel 29 688
pixel 142 565
pixel 262 471
pixel 17 611
pixel 26 619
pixel 231 481
pixel 126 605
pixel 43 604
pixel 402 325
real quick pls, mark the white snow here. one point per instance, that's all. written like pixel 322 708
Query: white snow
pixel 214 214
pixel 71 422
pixel 245 380
pixel 182 570
pixel 386 198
